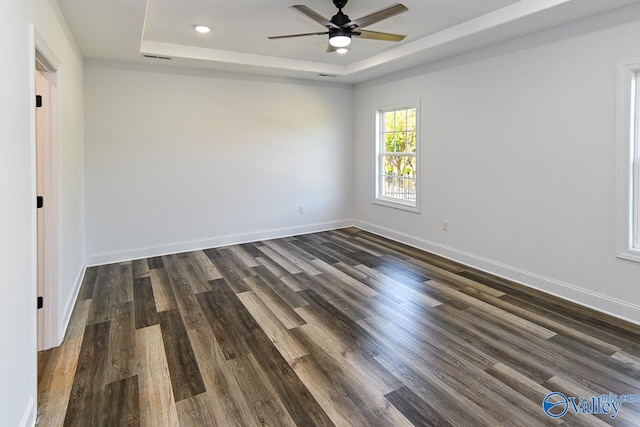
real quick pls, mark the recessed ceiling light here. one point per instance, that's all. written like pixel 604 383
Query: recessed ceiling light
pixel 202 29
pixel 342 50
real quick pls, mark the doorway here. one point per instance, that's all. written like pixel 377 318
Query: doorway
pixel 47 187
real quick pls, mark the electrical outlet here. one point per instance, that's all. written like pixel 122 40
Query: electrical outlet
pixel 445 225
pixel 301 209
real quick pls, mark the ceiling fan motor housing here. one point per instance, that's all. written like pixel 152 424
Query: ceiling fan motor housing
pixel 335 32
pixel 340 19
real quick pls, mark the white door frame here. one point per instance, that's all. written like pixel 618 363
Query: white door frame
pixel 44 59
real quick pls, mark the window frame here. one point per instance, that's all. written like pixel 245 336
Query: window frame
pixel 378 198
pixel 628 162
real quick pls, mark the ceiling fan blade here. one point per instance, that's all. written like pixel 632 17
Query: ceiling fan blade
pixel 378 16
pixel 375 35
pixel 315 16
pixel 331 49
pixel 297 35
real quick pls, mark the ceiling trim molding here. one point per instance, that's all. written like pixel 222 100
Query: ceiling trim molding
pixel 472 34
pixel 482 23
pixel 173 50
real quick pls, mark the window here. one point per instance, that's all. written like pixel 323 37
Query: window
pixel 628 163
pixel 397 158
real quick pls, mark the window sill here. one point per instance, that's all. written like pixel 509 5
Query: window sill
pixel 630 254
pixel 396 205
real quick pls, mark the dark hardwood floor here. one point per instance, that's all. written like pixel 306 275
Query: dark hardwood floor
pixel 335 328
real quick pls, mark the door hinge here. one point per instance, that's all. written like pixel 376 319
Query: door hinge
pixel 38 101
pixel 40 302
pixel 40 202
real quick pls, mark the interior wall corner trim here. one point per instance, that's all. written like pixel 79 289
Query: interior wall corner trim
pixel 70 304
pixel 29 415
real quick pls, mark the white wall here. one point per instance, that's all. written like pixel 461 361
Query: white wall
pixel 17 287
pixel 518 154
pixel 178 160
pixel 18 369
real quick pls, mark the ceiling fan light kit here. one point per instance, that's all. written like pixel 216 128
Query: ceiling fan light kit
pixel 340 38
pixel 341 28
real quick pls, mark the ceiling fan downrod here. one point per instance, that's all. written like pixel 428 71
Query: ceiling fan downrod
pixel 340 19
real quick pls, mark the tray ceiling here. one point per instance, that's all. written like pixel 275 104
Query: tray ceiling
pixel 125 30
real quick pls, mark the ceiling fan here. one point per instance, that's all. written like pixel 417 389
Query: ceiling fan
pixel 341 28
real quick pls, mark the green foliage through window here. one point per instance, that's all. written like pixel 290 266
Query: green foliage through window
pixel 397 166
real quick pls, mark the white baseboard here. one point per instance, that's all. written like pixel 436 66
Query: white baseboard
pixel 213 242
pixel 29 414
pixel 599 302
pixel 70 303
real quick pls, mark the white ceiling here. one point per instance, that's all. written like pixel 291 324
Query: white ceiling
pixel 124 30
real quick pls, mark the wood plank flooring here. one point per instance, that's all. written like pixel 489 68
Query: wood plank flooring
pixel 337 328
